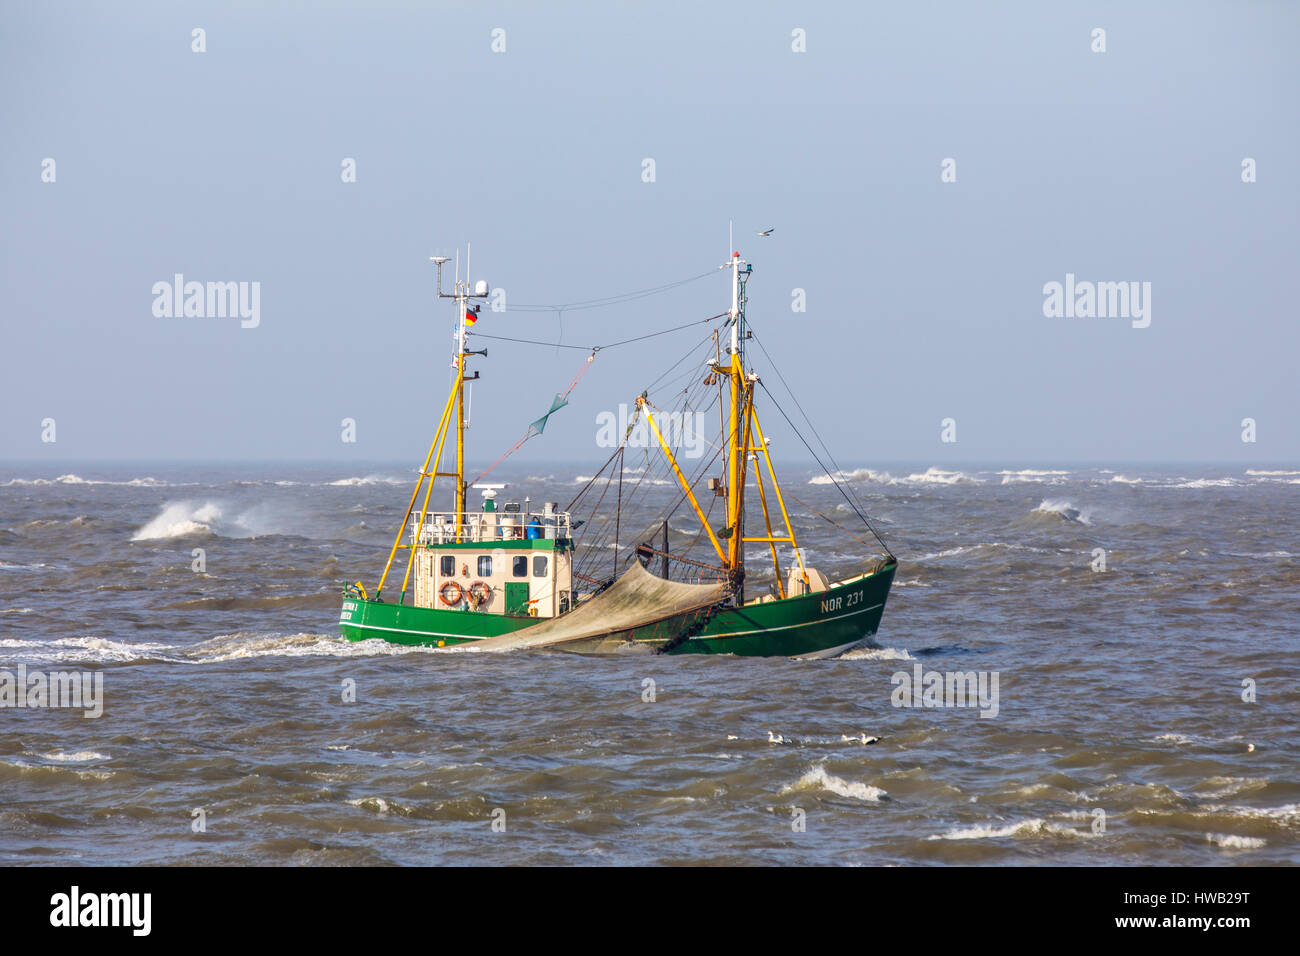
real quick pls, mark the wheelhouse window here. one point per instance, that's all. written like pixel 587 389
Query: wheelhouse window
pixel 447 566
pixel 520 566
pixel 539 566
pixel 485 565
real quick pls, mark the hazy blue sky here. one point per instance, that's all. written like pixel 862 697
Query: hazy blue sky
pixel 925 299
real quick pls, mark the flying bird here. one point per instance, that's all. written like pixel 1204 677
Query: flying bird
pixel 767 232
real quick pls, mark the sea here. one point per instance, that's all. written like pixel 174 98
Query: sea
pixel 1135 629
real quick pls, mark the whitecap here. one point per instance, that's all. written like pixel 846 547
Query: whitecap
pixel 818 779
pixel 1230 841
pixel 180 519
pixel 81 756
pixel 1032 827
pixel 1064 509
pixel 876 654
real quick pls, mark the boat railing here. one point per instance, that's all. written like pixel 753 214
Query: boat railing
pixel 471 527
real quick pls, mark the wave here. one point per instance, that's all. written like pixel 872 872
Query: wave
pixel 22 769
pixel 1216 788
pixel 981 547
pixel 368 480
pixel 939 476
pixel 1050 476
pixel 1039 476
pixel 876 654
pixel 818 779
pixel 81 756
pixel 243 645
pixel 240 645
pixel 1286 815
pixel 1032 827
pixel 6 566
pixel 857 474
pixel 180 519
pixel 1230 841
pixel 1063 509
pixel 1205 483
pixel 70 479
pixel 931 476
pixel 87 650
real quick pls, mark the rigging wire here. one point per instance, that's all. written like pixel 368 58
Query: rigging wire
pixel 656 473
pixel 530 432
pixel 838 470
pixel 597 348
pixel 609 299
pixel 561 400
pixel 829 474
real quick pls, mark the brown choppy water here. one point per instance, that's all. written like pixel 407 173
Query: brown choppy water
pixel 1119 691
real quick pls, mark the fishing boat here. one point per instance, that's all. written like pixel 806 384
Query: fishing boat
pixel 503 574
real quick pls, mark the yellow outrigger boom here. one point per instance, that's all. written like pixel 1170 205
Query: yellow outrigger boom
pixel 686 485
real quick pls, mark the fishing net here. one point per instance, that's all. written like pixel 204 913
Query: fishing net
pixel 638 606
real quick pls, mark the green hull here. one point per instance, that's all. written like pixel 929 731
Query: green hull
pixel 422 626
pixel 814 625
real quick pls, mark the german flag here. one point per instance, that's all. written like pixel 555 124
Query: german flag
pixel 470 318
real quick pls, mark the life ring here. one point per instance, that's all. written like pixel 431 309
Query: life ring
pixel 454 587
pixel 479 592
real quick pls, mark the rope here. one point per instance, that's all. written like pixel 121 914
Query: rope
pixel 530 433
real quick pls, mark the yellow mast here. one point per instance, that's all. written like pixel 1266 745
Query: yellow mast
pixel 455 404
pixel 461 296
pixel 460 419
pixel 738 437
pixel 742 437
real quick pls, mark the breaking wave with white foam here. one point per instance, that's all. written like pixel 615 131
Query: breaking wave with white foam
pixel 180 519
pixel 818 779
pixel 1025 828
pixel 1063 509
